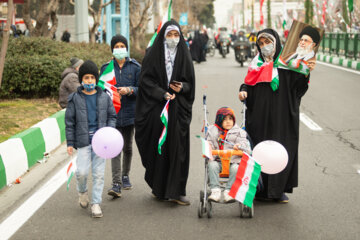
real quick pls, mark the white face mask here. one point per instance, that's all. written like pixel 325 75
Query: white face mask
pixel 172 42
pixel 267 50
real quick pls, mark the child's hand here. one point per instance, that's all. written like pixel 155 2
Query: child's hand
pixel 70 150
pixel 237 147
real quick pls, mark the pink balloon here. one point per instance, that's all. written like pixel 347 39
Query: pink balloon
pixel 107 142
pixel 271 155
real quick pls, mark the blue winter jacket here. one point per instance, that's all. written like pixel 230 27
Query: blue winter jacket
pixel 128 76
pixel 76 120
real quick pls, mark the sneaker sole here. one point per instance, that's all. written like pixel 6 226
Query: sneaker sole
pixel 230 201
pixel 97 215
pixel 127 188
pixel 84 206
pixel 114 194
pixel 180 202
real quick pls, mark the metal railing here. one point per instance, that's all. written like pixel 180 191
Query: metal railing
pixel 341 44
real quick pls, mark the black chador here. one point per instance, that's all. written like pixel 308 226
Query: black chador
pixel 167 173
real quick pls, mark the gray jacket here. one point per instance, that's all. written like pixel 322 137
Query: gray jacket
pixel 76 119
pixel 235 135
pixel 69 84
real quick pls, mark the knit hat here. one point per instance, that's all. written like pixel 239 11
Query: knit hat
pixel 118 38
pixel 311 32
pixel 89 67
pixel 75 62
pixel 222 113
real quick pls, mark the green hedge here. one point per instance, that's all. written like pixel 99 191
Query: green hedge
pixel 33 66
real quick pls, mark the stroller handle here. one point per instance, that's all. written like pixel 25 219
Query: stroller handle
pixel 226 153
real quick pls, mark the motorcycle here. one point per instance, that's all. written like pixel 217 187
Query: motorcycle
pixel 210 49
pixel 242 50
pixel 224 47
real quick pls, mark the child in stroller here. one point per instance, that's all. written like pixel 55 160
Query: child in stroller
pixel 225 134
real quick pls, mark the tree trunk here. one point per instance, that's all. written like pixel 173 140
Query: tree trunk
pixel 5 39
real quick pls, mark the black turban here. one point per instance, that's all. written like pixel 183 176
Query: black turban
pixel 311 32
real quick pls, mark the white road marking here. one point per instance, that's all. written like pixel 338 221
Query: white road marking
pixel 339 67
pixel 309 123
pixel 20 216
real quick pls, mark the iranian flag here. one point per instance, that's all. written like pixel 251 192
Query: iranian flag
pixel 107 81
pixel 70 171
pixel 244 187
pixel 297 65
pixel 164 117
pixel 165 18
pixel 206 148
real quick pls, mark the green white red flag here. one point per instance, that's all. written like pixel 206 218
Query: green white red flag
pixel 247 176
pixel 164 117
pixel 107 81
pixel 296 65
pixel 206 147
pixel 70 171
pixel 166 17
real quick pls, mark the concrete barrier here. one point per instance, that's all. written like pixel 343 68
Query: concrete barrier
pixel 340 61
pixel 23 150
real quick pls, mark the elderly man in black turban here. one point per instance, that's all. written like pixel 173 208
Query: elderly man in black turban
pixel 273 113
pixel 309 38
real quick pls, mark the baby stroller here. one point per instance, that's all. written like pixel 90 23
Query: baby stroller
pixel 205 206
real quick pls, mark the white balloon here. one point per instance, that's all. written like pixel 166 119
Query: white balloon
pixel 271 155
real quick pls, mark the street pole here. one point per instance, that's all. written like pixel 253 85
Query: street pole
pixel 81 21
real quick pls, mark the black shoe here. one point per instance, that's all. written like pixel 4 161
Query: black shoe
pixel 283 199
pixel 126 183
pixel 182 200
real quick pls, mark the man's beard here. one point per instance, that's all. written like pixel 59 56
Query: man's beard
pixel 303 51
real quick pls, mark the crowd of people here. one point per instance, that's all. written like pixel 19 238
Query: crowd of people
pixel 167 78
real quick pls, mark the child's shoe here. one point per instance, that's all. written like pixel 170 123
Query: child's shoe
pixel 115 191
pixel 126 182
pixel 96 211
pixel 84 200
pixel 227 197
pixel 215 195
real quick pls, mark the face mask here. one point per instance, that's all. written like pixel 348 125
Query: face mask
pixel 267 50
pixel 88 87
pixel 172 42
pixel 120 53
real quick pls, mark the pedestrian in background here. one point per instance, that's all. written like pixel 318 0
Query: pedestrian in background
pixel 66 36
pixel 273 112
pixel 127 72
pixel 70 81
pixel 88 110
pixel 167 73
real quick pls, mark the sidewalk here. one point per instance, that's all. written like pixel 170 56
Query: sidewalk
pixel 340 61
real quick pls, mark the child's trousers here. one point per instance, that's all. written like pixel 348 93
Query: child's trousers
pixel 214 169
pixel 85 158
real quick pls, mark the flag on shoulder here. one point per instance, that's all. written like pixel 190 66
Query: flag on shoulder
pixel 244 187
pixel 164 117
pixel 166 17
pixel 107 81
pixel 70 171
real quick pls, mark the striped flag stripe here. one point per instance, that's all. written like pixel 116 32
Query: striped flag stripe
pixel 164 119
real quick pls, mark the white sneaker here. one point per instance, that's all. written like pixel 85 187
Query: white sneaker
pixel 96 211
pixel 227 197
pixel 215 195
pixel 84 200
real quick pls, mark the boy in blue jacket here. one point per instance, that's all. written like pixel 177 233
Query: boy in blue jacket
pixel 88 110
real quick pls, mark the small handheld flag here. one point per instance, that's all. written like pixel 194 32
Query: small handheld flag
pixel 70 171
pixel 164 119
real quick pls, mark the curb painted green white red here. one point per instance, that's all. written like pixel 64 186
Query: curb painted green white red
pixel 23 150
pixel 339 61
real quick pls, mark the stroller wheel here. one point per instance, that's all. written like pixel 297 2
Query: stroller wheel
pixel 201 195
pixel 209 209
pixel 245 211
pixel 201 209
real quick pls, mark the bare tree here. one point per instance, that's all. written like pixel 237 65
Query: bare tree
pixel 139 18
pixel 96 14
pixel 46 11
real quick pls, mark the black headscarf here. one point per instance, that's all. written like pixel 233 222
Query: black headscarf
pixel 277 46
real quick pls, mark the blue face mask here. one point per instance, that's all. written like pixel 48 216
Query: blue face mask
pixel 88 87
pixel 120 53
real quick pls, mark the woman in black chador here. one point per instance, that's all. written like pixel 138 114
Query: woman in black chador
pixel 167 74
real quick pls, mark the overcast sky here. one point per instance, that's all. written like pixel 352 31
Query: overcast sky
pixel 221 9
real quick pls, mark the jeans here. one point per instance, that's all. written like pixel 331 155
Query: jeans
pixel 128 134
pixel 214 169
pixel 85 158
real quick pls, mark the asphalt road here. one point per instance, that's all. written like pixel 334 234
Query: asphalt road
pixel 324 206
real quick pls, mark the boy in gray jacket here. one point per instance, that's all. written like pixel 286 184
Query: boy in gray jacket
pixel 223 135
pixel 88 110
